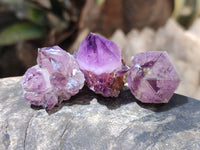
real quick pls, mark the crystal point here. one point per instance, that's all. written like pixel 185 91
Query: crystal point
pixel 101 62
pixel 98 52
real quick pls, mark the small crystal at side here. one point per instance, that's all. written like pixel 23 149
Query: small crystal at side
pixel 152 77
pixel 57 77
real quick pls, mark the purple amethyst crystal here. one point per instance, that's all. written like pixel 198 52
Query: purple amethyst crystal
pixel 55 59
pixel 152 78
pixel 101 62
pixel 37 87
pixel 65 75
pixel 57 77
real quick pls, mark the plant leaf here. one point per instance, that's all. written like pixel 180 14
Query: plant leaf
pixel 37 16
pixel 20 32
pixel 100 2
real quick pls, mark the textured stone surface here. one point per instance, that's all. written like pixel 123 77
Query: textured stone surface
pixel 89 121
pixel 195 27
pixel 189 79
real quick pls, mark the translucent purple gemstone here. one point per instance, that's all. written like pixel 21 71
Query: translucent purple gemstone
pixel 152 78
pixel 37 87
pixel 57 76
pixel 55 59
pixel 99 55
pixel 101 62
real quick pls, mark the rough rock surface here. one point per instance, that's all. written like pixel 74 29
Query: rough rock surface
pixel 195 27
pixel 89 121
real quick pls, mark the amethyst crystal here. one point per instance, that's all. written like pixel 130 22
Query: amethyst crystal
pixel 57 77
pixel 55 59
pixel 101 62
pixel 66 76
pixel 152 78
pixel 37 88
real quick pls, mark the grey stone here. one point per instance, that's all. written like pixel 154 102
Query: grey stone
pixel 119 38
pixel 138 41
pixel 189 79
pixel 176 41
pixel 197 93
pixel 88 121
pixel 194 28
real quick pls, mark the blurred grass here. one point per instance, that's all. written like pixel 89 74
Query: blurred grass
pixel 19 32
pixel 100 2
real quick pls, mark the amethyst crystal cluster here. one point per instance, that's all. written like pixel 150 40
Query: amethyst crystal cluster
pixel 58 75
pixel 101 62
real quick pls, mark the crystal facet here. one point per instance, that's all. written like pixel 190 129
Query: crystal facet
pixel 101 62
pixel 57 77
pixel 37 87
pixel 152 78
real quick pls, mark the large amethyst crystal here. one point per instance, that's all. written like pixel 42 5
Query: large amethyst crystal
pixel 152 78
pixel 57 77
pixel 101 62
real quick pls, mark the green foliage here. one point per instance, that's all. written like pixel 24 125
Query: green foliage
pixel 178 6
pixel 37 16
pixel 52 16
pixel 100 2
pixel 19 32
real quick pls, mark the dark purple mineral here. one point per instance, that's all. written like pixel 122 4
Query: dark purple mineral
pixel 101 62
pixel 152 78
pixel 57 77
